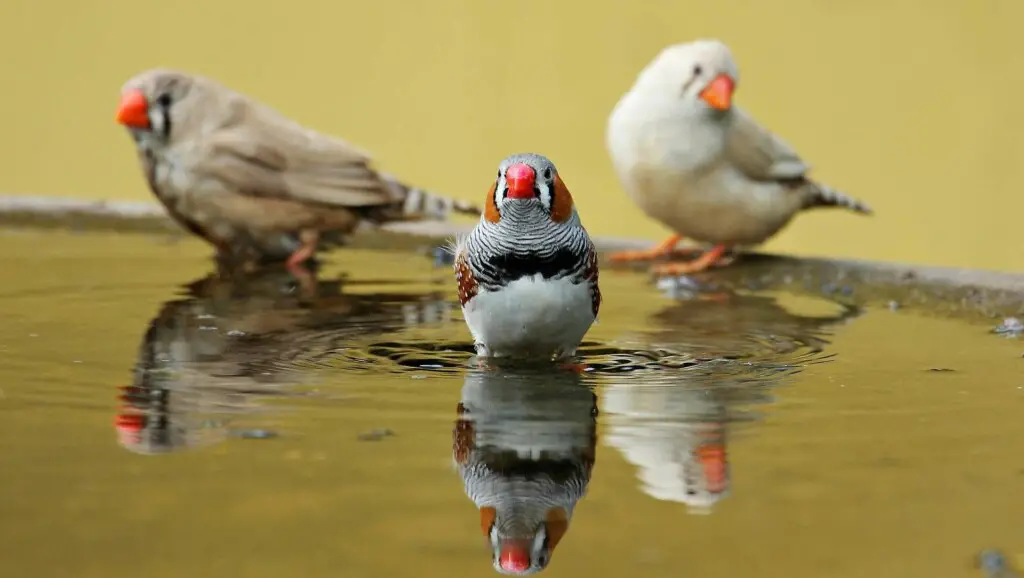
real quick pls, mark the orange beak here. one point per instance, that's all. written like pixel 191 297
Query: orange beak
pixel 718 94
pixel 133 110
pixel 515 556
pixel 520 178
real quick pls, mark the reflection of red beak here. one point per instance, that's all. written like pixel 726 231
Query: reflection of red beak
pixel 129 427
pixel 515 555
pixel 716 466
pixel 129 422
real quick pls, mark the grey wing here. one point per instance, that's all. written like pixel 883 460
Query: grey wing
pixel 759 154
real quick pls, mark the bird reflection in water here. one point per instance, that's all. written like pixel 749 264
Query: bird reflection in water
pixel 524 444
pixel 207 358
pixel 674 426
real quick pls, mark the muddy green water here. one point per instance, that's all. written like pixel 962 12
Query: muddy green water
pixel 156 422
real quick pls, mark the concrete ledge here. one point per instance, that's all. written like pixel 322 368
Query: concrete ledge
pixel 955 291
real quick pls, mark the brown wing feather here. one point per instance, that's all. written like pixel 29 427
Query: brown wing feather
pixel 464 277
pixel 760 154
pixel 253 164
pixel 462 436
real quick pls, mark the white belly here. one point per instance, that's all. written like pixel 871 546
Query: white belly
pixel 530 317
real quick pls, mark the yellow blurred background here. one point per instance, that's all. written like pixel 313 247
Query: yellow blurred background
pixel 910 105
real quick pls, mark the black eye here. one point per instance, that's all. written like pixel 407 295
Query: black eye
pixel 547 174
pixel 164 100
pixel 697 70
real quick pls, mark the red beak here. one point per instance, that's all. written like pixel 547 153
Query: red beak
pixel 520 178
pixel 133 110
pixel 515 555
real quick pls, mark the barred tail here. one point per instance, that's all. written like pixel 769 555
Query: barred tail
pixel 822 196
pixel 417 203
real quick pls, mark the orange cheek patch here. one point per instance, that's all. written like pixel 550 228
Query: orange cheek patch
pixel 490 209
pixel 561 207
pixel 487 517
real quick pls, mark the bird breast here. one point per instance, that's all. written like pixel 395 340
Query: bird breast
pixel 531 313
pixel 489 486
pixel 666 133
pixel 661 149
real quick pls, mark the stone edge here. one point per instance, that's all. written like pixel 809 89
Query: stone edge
pixel 143 216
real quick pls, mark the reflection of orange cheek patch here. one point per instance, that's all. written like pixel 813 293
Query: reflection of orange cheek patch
pixel 561 206
pixel 487 516
pixel 557 520
pixel 490 209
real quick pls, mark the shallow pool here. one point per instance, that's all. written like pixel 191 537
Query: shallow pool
pixel 156 421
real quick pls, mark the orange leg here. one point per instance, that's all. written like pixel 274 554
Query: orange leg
pixel 296 266
pixel 301 255
pixel 660 250
pixel 577 367
pixel 295 262
pixel 712 257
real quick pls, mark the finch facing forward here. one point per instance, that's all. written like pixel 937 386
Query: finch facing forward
pixel 527 273
pixel 697 163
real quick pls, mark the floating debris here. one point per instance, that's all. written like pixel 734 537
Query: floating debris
pixel 442 256
pixel 941 369
pixel 1010 327
pixel 375 435
pixel 681 287
pixel 893 305
pixel 995 565
pixel 257 434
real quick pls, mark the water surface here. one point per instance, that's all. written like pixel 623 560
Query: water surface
pixel 155 420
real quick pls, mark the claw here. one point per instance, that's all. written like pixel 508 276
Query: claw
pixel 715 257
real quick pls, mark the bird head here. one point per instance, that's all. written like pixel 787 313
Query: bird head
pixel 153 105
pixel 702 74
pixel 528 188
pixel 522 546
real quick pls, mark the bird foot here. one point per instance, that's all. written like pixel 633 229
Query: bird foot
pixel 690 267
pixel 665 248
pixel 713 258
pixel 654 254
pixel 574 367
pixel 306 279
pixel 300 256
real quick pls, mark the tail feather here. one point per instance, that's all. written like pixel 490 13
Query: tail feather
pixel 418 203
pixel 823 196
